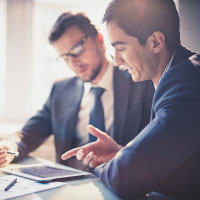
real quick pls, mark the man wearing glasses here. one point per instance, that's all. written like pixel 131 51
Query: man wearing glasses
pixel 71 105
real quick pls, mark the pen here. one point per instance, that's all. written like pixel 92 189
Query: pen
pixel 10 184
pixel 13 153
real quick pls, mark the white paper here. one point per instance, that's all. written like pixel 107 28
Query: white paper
pixel 24 186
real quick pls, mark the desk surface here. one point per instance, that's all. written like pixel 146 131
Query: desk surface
pixel 87 188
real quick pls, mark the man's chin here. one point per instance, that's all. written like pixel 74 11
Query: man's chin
pixel 135 79
pixel 85 79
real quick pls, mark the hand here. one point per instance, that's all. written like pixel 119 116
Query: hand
pixel 5 158
pixel 95 153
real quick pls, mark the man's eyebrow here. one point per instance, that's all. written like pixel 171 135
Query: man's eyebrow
pixel 65 54
pixel 116 43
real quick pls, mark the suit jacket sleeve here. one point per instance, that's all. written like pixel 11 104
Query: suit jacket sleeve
pixel 165 144
pixel 36 130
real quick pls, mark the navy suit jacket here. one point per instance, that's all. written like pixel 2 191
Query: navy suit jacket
pixel 165 156
pixel 132 107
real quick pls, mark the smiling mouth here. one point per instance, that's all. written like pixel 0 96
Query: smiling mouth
pixel 130 68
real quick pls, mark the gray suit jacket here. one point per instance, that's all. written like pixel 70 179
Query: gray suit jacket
pixel 132 105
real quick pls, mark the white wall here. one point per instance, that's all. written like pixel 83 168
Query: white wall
pixel 30 66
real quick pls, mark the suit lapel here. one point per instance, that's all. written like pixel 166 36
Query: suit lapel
pixel 152 114
pixel 73 101
pixel 121 96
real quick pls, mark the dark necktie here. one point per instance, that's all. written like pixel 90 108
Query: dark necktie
pixel 97 113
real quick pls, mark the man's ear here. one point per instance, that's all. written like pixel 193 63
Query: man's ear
pixel 100 41
pixel 100 38
pixel 157 40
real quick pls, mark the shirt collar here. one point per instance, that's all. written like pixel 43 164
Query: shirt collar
pixel 105 82
pixel 168 65
pixel 166 69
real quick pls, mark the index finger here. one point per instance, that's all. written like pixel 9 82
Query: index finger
pixel 70 153
pixel 73 152
pixel 97 132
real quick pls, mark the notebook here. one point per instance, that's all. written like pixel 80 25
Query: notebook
pixel 43 172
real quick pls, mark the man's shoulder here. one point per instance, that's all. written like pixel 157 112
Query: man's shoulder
pixel 195 60
pixel 185 60
pixel 66 85
pixel 181 82
pixel 67 82
pixel 187 70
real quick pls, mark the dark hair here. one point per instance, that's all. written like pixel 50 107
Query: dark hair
pixel 68 19
pixel 140 18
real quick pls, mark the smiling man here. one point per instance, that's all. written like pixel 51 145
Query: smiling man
pixel 165 155
pixel 124 106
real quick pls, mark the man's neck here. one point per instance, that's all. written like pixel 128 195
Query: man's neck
pixel 165 61
pixel 102 71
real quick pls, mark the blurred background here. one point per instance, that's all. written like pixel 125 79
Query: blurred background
pixel 28 62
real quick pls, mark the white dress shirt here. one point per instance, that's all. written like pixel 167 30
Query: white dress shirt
pixel 87 102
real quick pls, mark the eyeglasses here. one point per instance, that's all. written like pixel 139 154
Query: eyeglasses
pixel 75 51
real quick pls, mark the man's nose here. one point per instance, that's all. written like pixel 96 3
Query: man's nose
pixel 117 59
pixel 73 60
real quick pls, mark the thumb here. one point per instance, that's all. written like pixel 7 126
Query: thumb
pixel 96 132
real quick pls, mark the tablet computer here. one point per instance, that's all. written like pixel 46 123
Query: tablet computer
pixel 43 172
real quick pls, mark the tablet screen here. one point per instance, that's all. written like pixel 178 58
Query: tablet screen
pixel 44 172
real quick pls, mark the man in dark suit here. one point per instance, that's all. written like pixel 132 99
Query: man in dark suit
pixel 66 112
pixel 165 155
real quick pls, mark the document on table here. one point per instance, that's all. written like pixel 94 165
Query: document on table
pixel 24 186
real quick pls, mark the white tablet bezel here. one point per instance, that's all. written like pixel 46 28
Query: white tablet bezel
pixel 11 170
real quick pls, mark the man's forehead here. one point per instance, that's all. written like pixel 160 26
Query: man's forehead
pixel 70 37
pixel 73 31
pixel 116 35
